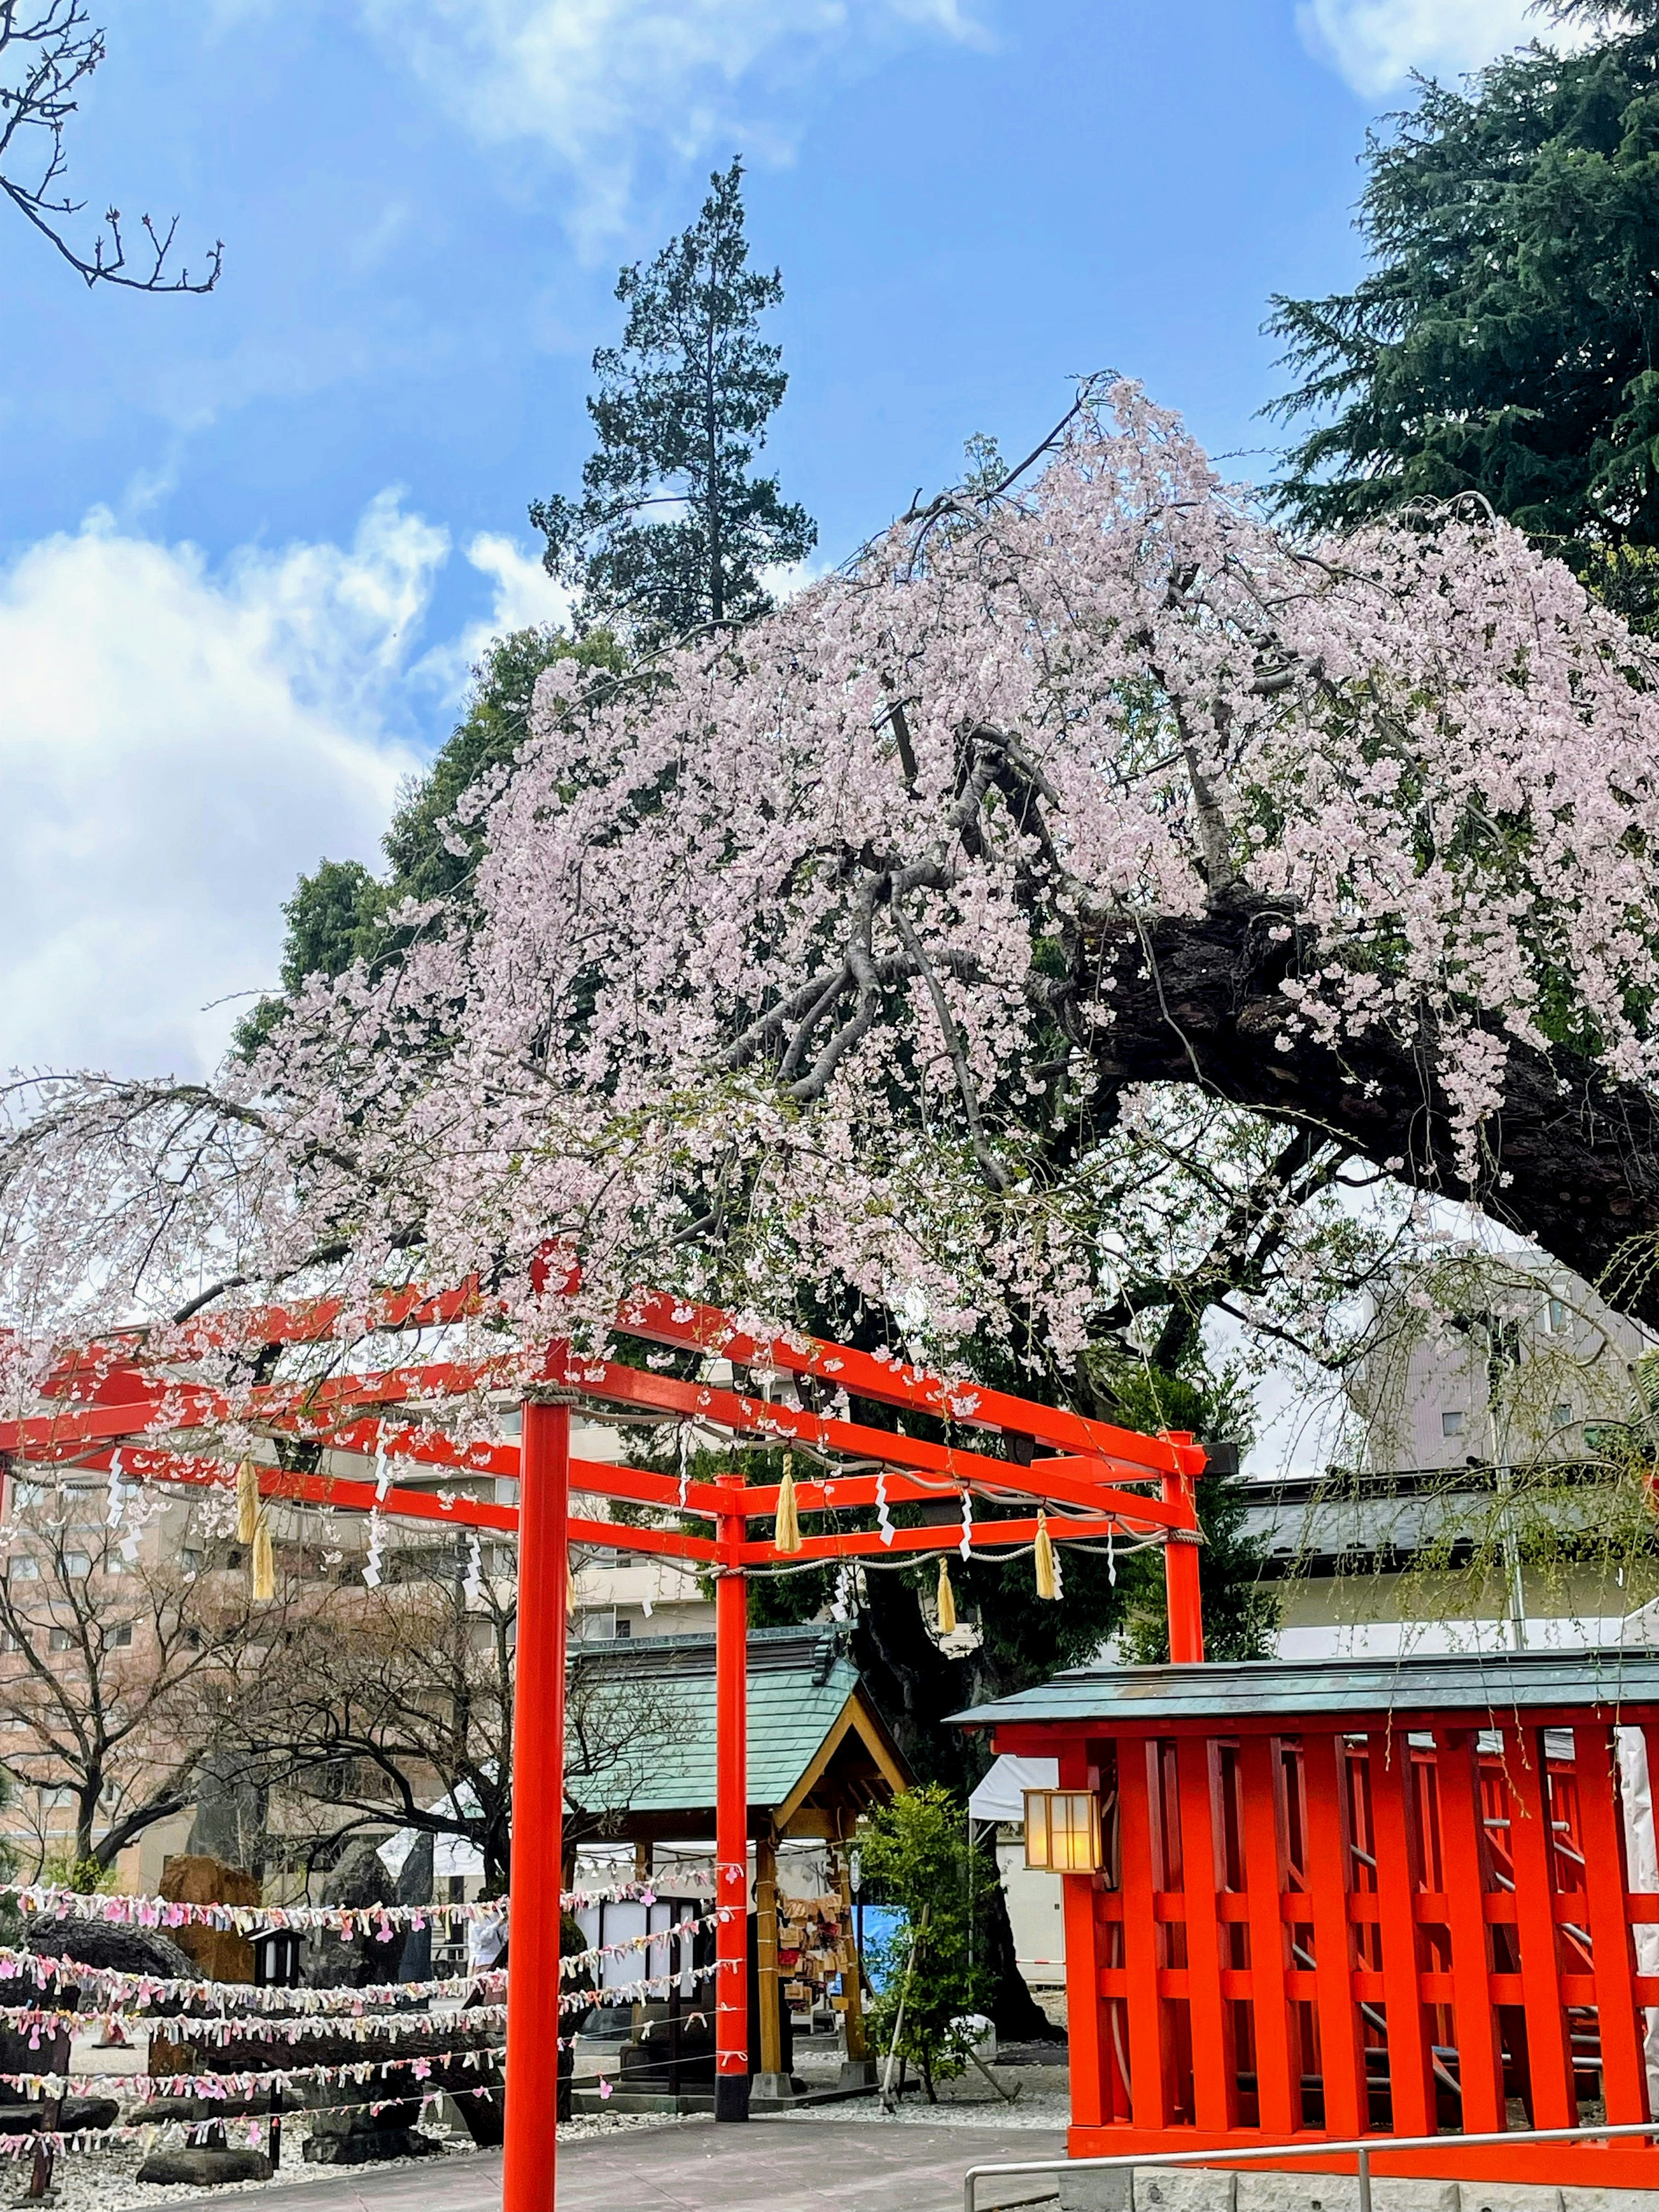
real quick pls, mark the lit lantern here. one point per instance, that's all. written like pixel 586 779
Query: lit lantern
pixel 1062 1831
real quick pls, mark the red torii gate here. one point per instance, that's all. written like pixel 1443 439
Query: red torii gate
pixel 103 1402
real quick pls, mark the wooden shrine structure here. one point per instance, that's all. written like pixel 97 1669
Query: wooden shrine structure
pixel 1334 1898
pixel 1016 1475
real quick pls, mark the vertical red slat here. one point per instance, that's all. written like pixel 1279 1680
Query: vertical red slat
pixel 1088 2030
pixel 1148 2090
pixel 537 1869
pixel 1623 2081
pixel 1411 2075
pixel 1341 2058
pixel 1479 2070
pixel 1215 2086
pixel 731 2075
pixel 1277 2068
pixel 1549 2054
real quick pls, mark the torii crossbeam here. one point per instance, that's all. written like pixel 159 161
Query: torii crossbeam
pixel 1037 1472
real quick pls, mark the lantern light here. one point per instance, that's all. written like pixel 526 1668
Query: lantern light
pixel 1062 1831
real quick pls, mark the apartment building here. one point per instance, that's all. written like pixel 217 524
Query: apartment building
pixel 1466 1429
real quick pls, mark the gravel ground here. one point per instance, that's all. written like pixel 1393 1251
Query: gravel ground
pixel 105 2180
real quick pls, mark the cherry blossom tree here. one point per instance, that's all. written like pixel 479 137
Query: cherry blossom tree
pixel 833 959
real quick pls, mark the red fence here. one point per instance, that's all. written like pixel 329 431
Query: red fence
pixel 1363 1927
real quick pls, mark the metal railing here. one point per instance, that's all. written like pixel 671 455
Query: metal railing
pixel 1363 2149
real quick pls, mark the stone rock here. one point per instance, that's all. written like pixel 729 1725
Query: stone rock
pixel 1180 2189
pixel 1575 2199
pixel 1111 2191
pixel 359 1879
pixel 1392 2193
pixel 367 2146
pixel 78 2112
pixel 203 2168
pixel 1287 2190
pixel 1508 2196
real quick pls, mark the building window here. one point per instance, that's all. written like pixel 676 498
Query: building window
pixel 76 1563
pixel 189 1560
pixel 120 1635
pixel 60 1639
pixel 1556 1318
pixel 1561 1416
pixel 624 1626
pixel 26 1570
pixel 1451 1425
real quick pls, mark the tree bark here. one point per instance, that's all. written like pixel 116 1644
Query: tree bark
pixel 1573 1160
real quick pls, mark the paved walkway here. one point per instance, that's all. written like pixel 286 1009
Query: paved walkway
pixel 806 2166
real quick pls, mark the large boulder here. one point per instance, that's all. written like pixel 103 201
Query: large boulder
pixel 203 2168
pixel 358 1881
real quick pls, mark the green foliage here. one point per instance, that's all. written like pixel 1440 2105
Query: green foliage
pixel 89 1877
pixel 681 410
pixel 1504 341
pixel 341 912
pixel 1241 1615
pixel 917 1856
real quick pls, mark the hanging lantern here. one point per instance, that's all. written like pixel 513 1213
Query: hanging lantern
pixel 1062 1831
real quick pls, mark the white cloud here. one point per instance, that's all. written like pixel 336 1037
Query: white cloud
pixel 589 78
pixel 525 598
pixel 1376 44
pixel 176 744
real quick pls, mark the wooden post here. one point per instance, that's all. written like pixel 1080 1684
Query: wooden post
pixel 852 1978
pixel 532 1987
pixel 732 1816
pixel 1181 1594
pixel 770 2071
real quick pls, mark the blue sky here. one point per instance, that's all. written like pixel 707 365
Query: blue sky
pixel 249 543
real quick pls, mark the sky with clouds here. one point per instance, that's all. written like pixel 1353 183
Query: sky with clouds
pixel 250 544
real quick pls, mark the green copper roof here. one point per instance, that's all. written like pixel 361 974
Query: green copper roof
pixel 1485 1683
pixel 654 1700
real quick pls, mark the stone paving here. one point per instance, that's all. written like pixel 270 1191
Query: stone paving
pixel 818 2165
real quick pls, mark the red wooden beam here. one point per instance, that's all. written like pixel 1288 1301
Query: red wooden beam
pixel 661 1319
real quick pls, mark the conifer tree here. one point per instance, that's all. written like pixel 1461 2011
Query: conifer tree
pixel 671 530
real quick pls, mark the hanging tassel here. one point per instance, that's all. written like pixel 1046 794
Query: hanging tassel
pixel 947 1601
pixel 786 1535
pixel 1042 1558
pixel 265 1563
pixel 247 1502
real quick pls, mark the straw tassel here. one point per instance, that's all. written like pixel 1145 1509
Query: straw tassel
pixel 265 1563
pixel 247 1502
pixel 947 1600
pixel 1043 1557
pixel 786 1535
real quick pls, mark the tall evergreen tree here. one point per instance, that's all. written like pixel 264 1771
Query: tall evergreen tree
pixel 681 410
pixel 1505 340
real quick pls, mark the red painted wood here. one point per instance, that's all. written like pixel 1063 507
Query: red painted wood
pixel 537 1867
pixel 732 1819
pixel 1463 1863
pixel 1601 1824
pixel 1087 2028
pixel 1549 2055
pixel 1340 2061
pixel 1278 2063
pixel 1215 2095
pixel 1393 1810
pixel 1148 2085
